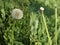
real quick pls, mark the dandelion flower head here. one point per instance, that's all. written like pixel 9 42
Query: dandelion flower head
pixel 17 14
pixel 41 8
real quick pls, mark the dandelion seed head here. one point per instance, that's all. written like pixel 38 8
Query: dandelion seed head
pixel 41 8
pixel 17 14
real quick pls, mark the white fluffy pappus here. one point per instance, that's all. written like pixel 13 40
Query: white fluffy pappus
pixel 41 8
pixel 17 13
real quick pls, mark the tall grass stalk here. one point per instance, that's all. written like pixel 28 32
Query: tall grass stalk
pixel 50 41
pixel 56 25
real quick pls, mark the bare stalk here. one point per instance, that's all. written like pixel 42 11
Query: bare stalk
pixel 50 41
pixel 56 26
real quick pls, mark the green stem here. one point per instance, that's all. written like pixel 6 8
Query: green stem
pixel 50 41
pixel 12 37
pixel 13 32
pixel 56 26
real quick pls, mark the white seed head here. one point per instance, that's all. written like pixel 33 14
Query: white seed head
pixel 41 8
pixel 17 13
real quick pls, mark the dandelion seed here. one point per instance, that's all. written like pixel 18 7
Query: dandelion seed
pixel 17 14
pixel 41 8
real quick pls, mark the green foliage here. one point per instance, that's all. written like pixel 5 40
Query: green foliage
pixel 7 24
pixel 30 30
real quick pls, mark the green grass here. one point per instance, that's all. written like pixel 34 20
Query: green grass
pixel 35 28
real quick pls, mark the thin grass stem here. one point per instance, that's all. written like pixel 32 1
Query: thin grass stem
pixel 50 41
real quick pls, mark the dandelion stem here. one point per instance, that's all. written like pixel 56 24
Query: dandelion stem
pixel 56 25
pixel 12 37
pixel 50 41
pixel 13 32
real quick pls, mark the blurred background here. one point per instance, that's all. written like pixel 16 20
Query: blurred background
pixel 30 30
